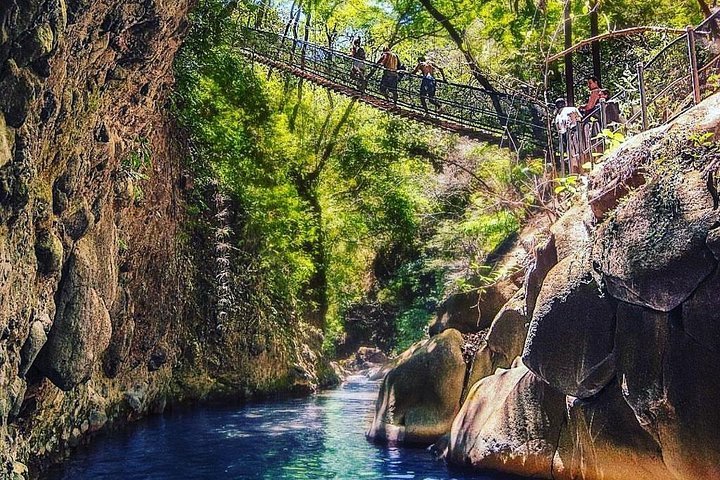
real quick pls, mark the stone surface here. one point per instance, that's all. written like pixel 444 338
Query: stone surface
pixel 7 141
pixel 507 334
pixel 49 252
pixel 570 338
pixel 607 194
pixel 701 315
pixel 19 89
pixel 640 344
pixel 545 258
pixel 652 252
pixel 32 346
pixel 123 331
pixel 571 232
pixel 82 328
pixel 420 396
pixel 713 242
pixel 688 420
pixel 369 355
pixel 510 422
pixel 473 311
pixel 483 365
pixel 603 440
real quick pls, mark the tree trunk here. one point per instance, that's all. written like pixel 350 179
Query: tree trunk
pixel 457 37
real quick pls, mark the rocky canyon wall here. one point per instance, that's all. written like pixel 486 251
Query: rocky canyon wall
pixel 104 312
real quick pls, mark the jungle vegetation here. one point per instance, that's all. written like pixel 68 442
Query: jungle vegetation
pixel 336 206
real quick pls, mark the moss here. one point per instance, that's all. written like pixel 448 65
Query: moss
pixel 7 141
pixel 49 252
pixel 43 40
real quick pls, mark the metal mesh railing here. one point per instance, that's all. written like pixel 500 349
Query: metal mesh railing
pixel 510 117
pixel 682 73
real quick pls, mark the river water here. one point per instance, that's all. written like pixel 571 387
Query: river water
pixel 320 437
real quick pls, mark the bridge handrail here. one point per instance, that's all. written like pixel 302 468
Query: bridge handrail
pixel 466 104
pixel 369 63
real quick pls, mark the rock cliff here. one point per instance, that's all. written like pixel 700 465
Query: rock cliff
pixel 102 315
pixel 620 332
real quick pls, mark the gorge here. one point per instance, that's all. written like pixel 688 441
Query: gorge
pixel 181 226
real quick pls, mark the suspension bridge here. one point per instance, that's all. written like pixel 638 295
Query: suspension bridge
pixel 514 120
pixel 678 76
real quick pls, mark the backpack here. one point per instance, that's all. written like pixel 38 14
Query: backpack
pixel 360 53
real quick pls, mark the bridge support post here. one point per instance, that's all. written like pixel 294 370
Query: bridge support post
pixel 693 64
pixel 569 81
pixel 643 100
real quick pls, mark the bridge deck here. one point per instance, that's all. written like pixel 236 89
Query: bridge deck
pixel 493 117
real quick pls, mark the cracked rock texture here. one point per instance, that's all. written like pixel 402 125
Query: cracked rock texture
pixel 101 318
pixel 617 378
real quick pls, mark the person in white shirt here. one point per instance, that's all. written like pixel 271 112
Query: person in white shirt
pixel 566 123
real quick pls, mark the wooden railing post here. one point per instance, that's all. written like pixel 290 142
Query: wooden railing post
pixel 693 64
pixel 643 100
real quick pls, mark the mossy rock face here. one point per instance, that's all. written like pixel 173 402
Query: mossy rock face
pixel 82 328
pixel 78 220
pixel 19 89
pixel 35 44
pixel 7 142
pixel 49 252
pixel 652 251
pixel 32 346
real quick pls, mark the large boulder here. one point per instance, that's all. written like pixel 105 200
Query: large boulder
pixel 545 257
pixel 652 251
pixel 640 344
pixel 33 344
pixel 670 382
pixel 687 416
pixel 602 440
pixel 571 232
pixel 510 422
pixel 483 364
pixel 701 315
pixel 420 396
pixel 570 338
pixel 82 328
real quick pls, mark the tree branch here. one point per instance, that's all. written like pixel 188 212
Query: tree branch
pixel 616 33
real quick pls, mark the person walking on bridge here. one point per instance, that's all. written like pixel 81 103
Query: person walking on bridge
pixel 389 82
pixel 428 86
pixel 358 68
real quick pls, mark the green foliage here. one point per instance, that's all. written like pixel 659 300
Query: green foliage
pixel 566 186
pixel 701 139
pixel 411 326
pixel 138 162
pixel 335 203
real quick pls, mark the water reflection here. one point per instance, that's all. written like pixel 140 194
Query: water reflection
pixel 314 438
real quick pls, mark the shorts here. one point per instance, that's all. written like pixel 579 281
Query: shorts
pixel 428 86
pixel 389 81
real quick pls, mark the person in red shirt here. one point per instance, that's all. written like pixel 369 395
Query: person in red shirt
pixel 596 93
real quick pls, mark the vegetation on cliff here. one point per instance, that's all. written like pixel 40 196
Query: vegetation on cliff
pixel 336 205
